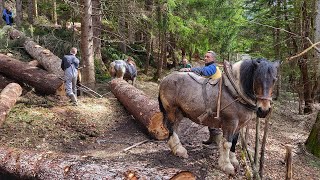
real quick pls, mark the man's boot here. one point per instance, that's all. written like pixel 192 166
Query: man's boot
pixel 74 99
pixel 215 136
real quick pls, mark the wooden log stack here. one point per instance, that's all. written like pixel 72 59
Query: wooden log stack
pixel 144 109
pixel 41 80
pixel 45 57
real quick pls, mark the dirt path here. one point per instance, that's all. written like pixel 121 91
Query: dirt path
pixel 103 129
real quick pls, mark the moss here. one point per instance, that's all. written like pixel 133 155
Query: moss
pixel 313 141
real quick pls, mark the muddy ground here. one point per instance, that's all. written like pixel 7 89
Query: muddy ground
pixel 102 128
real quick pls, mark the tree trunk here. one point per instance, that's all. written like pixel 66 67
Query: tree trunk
pixel 303 64
pixel 143 109
pixel 19 13
pixel 148 52
pixel 26 164
pixel 41 80
pixel 8 98
pixel 313 141
pixel 30 14
pixel 35 8
pixel 122 27
pixel 45 57
pixel 96 20
pixel 88 72
pixel 4 81
pixel 54 12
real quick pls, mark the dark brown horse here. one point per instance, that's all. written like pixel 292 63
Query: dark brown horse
pixel 246 92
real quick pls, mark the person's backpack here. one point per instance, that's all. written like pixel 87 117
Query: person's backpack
pixel 65 63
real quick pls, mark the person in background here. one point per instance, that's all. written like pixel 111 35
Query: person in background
pixel 70 65
pixel 210 70
pixel 7 15
pixel 185 64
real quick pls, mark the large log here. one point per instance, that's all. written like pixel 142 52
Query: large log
pixel 26 164
pixel 41 80
pixel 143 108
pixel 8 98
pixel 45 57
pixel 4 81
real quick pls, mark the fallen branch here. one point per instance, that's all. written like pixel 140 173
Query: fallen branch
pixel 135 145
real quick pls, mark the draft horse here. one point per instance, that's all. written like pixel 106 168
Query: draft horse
pixel 246 92
pixel 124 69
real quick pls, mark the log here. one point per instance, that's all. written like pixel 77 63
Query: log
pixel 184 175
pixel 8 98
pixel 41 80
pixel 4 81
pixel 45 57
pixel 28 164
pixel 143 108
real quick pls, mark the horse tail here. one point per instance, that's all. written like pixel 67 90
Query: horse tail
pixel 161 105
pixel 166 122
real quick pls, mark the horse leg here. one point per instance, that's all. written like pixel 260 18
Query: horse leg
pixel 224 149
pixel 233 157
pixel 215 136
pixel 174 118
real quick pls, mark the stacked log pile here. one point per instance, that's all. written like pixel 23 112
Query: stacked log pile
pixel 42 81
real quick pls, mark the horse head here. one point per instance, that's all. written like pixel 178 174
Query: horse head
pixel 257 78
pixel 264 78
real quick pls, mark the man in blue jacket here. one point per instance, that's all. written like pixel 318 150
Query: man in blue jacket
pixel 7 16
pixel 70 65
pixel 210 70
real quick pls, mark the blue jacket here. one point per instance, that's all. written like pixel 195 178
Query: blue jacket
pixel 208 70
pixel 7 16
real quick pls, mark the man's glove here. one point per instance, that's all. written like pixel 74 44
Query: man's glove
pixel 185 70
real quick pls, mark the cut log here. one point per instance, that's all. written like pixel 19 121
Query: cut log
pixel 41 80
pixel 184 175
pixel 144 109
pixel 45 57
pixel 4 81
pixel 25 164
pixel 8 98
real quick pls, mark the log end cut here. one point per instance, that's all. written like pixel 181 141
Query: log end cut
pixel 156 127
pixel 184 175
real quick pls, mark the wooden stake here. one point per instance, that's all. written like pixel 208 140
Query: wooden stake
pixel 288 160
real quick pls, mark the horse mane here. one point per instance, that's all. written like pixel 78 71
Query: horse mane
pixel 248 72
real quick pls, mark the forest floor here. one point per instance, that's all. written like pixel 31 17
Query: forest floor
pixel 102 128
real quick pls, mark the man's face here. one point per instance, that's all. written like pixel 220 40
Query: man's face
pixel 184 62
pixel 208 58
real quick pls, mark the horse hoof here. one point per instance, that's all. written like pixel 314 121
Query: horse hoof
pixel 229 169
pixel 182 152
pixel 233 159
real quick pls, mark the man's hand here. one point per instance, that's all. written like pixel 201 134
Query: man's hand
pixel 185 70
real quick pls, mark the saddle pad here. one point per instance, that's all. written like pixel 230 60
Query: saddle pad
pixel 200 79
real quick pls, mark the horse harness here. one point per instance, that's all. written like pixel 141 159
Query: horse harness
pixel 228 80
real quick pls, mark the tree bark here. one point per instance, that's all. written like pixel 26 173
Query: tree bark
pixel 143 109
pixel 25 164
pixel 88 72
pixel 41 80
pixel 30 14
pixel 45 57
pixel 96 20
pixel 19 13
pixel 54 12
pixel 313 141
pixel 4 81
pixel 8 98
